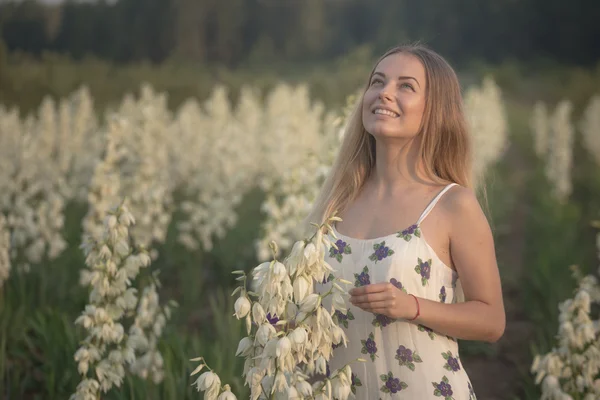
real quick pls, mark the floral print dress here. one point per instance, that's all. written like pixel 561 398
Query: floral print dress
pixel 404 360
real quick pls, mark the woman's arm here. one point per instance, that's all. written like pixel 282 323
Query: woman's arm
pixel 481 316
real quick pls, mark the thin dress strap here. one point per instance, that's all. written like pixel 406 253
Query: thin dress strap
pixel 434 202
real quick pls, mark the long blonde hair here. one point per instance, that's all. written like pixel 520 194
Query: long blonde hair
pixel 445 146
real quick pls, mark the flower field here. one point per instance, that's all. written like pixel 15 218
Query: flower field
pixel 120 230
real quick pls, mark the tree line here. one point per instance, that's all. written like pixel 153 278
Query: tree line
pixel 237 32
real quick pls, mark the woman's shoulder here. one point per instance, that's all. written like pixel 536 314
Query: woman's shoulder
pixel 461 205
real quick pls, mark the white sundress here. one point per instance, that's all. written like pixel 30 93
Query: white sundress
pixel 404 360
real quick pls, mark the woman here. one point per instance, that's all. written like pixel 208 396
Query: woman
pixel 411 227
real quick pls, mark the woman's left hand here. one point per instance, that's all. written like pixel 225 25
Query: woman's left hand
pixel 384 298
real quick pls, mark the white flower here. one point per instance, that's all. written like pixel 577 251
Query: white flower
pixel 301 288
pixel 258 313
pixel 264 333
pixel 340 389
pixel 280 383
pixel 279 271
pixel 310 303
pixel 283 347
pixel 242 307
pixel 321 365
pixel 304 388
pixel 227 395
pixel 244 347
pixel 311 254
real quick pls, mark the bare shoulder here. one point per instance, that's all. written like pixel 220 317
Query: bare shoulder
pixel 461 209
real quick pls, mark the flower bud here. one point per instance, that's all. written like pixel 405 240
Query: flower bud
pixel 258 313
pixel 242 307
pixel 244 347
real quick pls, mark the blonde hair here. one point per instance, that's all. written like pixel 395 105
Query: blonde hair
pixel 445 146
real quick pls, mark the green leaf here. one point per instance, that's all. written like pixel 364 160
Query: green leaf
pixel 418 232
pixel 350 315
pixel 376 246
pixel 435 384
pixel 445 355
pixel 366 269
pixel 445 379
pixel 419 260
pixel 384 389
pixel 403 385
pixel 364 351
pixel 437 392
pixel 383 377
pixel 424 281
pixel 411 366
pixel 447 367
pixel 417 358
pixel 418 269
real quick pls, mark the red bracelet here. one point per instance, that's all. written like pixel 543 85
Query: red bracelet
pixel 418 308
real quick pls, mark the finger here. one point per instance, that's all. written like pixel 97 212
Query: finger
pixel 372 288
pixel 369 297
pixel 374 305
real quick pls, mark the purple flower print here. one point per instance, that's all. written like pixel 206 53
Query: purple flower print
pixel 342 248
pixel 391 384
pixel 430 332
pixel 380 252
pixel 443 294
pixel 272 319
pixel 355 383
pixel 423 268
pixel 471 392
pixel 343 318
pixel 443 389
pixel 363 278
pixel 381 320
pixel 409 232
pixel 369 347
pixel 452 363
pixel 397 283
pixel 406 357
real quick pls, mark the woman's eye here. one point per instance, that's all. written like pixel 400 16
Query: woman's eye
pixel 406 85
pixel 376 80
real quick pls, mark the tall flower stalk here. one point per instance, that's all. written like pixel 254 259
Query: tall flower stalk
pixel 111 267
pixel 571 370
pixel 590 127
pixel 290 331
pixel 560 151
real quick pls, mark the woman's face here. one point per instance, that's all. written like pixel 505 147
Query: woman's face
pixel 394 102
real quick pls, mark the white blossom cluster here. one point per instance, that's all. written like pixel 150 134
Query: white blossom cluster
pixel 590 127
pixel 553 142
pixel 4 251
pixel 107 350
pixel 144 158
pixel 111 266
pixel 282 354
pixel 146 330
pixel 488 126
pixel 290 196
pixel 31 190
pixel 560 150
pixel 572 369
pixel 217 162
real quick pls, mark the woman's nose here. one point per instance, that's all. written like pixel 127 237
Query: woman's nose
pixel 385 93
